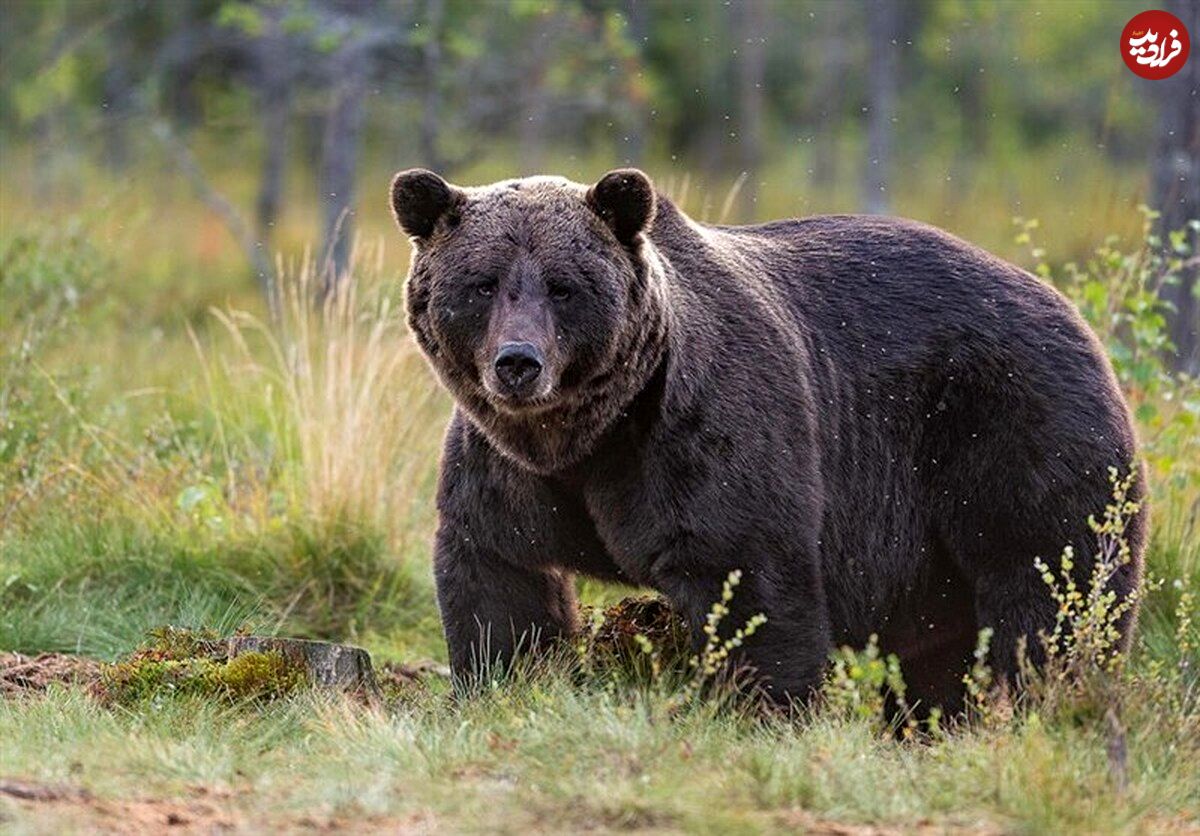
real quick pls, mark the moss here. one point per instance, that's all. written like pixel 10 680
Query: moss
pixel 180 643
pixel 186 663
pixel 257 676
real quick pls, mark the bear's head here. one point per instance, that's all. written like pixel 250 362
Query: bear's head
pixel 538 302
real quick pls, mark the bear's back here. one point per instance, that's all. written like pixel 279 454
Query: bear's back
pixel 873 263
pixel 881 291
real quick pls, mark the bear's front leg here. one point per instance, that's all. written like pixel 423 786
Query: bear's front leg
pixel 494 610
pixel 786 656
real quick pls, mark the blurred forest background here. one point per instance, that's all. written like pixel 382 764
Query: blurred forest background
pixel 185 439
pixel 283 119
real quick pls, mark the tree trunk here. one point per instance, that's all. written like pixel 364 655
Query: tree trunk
pixel 883 17
pixel 431 66
pixel 275 95
pixel 830 68
pixel 637 14
pixel 117 87
pixel 1176 184
pixel 276 109
pixel 339 159
pixel 750 26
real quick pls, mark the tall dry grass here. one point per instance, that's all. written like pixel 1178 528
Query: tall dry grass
pixel 344 393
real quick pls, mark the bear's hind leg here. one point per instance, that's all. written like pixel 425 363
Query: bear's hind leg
pixel 934 635
pixel 1019 610
pixel 994 546
pixel 997 550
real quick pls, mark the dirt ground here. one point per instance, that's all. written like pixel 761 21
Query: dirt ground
pixel 55 808
pixel 20 674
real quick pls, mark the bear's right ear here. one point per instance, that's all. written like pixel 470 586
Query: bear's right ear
pixel 624 199
pixel 419 200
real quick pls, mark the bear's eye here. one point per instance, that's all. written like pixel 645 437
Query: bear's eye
pixel 559 292
pixel 485 289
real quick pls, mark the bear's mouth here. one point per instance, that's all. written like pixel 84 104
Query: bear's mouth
pixel 541 399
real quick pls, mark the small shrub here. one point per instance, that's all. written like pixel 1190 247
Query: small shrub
pixel 710 667
pixel 859 680
pixel 1086 632
pixel 47 275
pixel 644 640
pixel 868 686
pixel 715 653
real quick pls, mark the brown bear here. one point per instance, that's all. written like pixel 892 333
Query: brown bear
pixel 879 424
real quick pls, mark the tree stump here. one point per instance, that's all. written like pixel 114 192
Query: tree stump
pixel 337 666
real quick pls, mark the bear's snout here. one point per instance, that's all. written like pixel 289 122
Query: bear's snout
pixel 518 366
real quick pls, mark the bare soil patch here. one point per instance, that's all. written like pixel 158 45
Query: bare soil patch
pixel 205 812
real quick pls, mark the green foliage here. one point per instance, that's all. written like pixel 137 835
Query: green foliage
pixel 600 78
pixel 245 17
pixel 644 642
pixel 979 679
pixel 96 581
pixel 715 653
pixel 48 276
pixel 712 665
pixel 1119 291
pixel 1120 294
pixel 1087 624
pixel 859 681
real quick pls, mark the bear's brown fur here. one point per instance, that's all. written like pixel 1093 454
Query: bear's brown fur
pixel 882 426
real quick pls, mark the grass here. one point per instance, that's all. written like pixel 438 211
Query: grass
pixel 550 755
pixel 167 456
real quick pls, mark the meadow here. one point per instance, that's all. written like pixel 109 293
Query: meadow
pixel 171 456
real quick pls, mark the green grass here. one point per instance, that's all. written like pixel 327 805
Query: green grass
pixel 161 464
pixel 97 586
pixel 552 755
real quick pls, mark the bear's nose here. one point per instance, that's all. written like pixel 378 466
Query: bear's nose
pixel 518 365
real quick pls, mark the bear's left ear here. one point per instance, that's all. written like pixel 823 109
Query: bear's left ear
pixel 419 200
pixel 624 199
